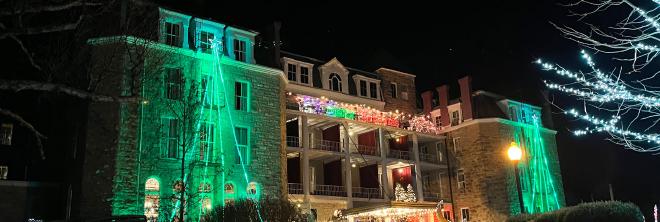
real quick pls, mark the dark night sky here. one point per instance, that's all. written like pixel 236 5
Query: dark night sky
pixel 494 41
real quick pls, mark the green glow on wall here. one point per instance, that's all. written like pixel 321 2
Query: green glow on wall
pixel 538 188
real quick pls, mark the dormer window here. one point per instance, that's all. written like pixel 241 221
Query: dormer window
pixel 304 75
pixel 373 93
pixel 291 72
pixel 297 71
pixel 367 87
pixel 205 41
pixel 172 34
pixel 239 50
pixel 335 82
pixel 363 88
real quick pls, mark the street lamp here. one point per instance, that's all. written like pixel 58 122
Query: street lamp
pixel 515 154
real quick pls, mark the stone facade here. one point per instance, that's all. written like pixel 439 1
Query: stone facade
pixel 406 98
pixel 124 147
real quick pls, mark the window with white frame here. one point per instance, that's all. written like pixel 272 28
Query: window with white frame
pixel 173 83
pixel 242 146
pixel 335 82
pixel 206 141
pixel 291 72
pixel 169 140
pixel 373 92
pixel 393 88
pixel 241 92
pixel 205 43
pixel 460 179
pixel 465 214
pixel 455 118
pixel 440 149
pixel 4 170
pixel 239 50
pixel 457 144
pixel 363 88
pixel 6 131
pixel 209 93
pixel 172 34
pixel 304 75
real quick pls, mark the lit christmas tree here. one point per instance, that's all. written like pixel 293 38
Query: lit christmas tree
pixel 623 102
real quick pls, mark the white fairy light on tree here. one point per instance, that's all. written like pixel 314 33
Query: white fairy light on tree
pixel 622 103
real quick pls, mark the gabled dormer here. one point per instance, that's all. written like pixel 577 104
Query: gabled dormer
pixel 173 28
pixel 367 87
pixel 205 31
pixel 240 44
pixel 334 76
pixel 298 72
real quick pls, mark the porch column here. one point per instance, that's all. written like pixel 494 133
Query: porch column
pixel 304 144
pixel 348 181
pixel 418 169
pixel 384 182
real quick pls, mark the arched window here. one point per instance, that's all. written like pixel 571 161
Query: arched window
pixel 335 82
pixel 252 188
pixel 204 187
pixel 229 188
pixel 151 199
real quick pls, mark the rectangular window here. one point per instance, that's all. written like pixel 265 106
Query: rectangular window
pixel 363 88
pixel 440 149
pixel 465 214
pixel 304 75
pixel 513 114
pixel 169 142
pixel 242 157
pixel 208 94
pixel 206 141
pixel 460 178
pixel 372 90
pixel 241 92
pixel 6 131
pixel 455 120
pixel 457 144
pixel 291 72
pixel 4 170
pixel 172 34
pixel 239 50
pixel 173 83
pixel 394 90
pixel 205 41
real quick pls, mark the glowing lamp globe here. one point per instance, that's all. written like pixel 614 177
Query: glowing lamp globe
pixel 515 153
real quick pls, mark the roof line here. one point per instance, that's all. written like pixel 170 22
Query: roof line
pixel 321 61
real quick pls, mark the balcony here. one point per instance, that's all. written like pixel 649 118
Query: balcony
pixel 430 158
pixel 326 145
pixel 399 154
pixel 366 150
pixel 370 193
pixel 295 188
pixel 329 190
pixel 293 141
pixel 433 197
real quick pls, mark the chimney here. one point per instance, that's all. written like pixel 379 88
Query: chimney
pixel 427 103
pixel 276 42
pixel 465 85
pixel 443 101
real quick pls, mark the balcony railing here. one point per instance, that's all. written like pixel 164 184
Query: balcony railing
pixel 399 154
pixel 364 192
pixel 428 158
pixel 326 145
pixel 295 188
pixel 366 150
pixel 329 190
pixel 293 141
pixel 430 196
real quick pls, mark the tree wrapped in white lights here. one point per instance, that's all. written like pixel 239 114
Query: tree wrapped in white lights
pixel 623 102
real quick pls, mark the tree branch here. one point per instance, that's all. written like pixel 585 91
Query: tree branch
pixel 20 85
pixel 43 29
pixel 37 135
pixel 47 8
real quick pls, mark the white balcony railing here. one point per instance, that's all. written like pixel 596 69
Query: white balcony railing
pixel 326 145
pixel 428 158
pixel 330 190
pixel 399 154
pixel 295 188
pixel 430 196
pixel 293 141
pixel 364 192
pixel 366 150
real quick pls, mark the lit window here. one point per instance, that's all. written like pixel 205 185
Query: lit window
pixel 206 140
pixel 363 88
pixel 335 82
pixel 394 90
pixel 4 170
pixel 174 83
pixel 242 156
pixel 460 178
pixel 241 93
pixel 239 50
pixel 152 185
pixel 151 199
pixel 252 188
pixel 291 72
pixel 465 214
pixel 229 188
pixel 372 90
pixel 172 34
pixel 6 131
pixel 204 188
pixel 304 75
pixel 205 41
pixel 207 206
pixel 455 118
pixel 169 138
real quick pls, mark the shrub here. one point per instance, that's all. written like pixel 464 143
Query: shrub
pixel 611 211
pixel 246 210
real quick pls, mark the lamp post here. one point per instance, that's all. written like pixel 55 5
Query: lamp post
pixel 515 154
